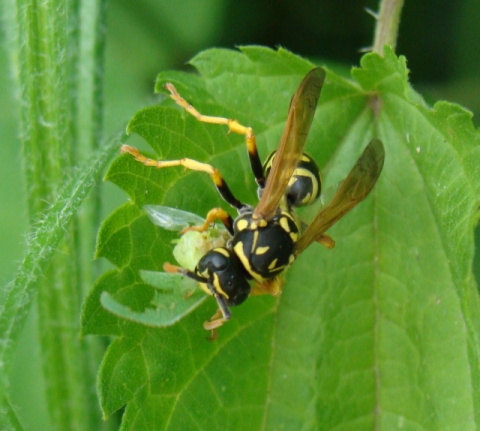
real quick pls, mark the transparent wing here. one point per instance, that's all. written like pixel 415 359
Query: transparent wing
pixel 292 143
pixel 351 192
pixel 171 218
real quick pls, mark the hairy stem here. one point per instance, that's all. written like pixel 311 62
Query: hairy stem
pixel 388 21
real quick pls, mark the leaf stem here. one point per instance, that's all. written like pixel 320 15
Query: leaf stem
pixel 388 21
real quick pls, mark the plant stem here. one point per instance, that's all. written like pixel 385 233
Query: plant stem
pixel 57 134
pixel 45 239
pixel 388 21
pixel 10 420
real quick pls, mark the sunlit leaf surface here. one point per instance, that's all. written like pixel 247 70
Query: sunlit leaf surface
pixel 380 333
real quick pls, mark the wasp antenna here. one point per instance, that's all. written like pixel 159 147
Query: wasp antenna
pixel 173 269
pixel 168 267
pixel 223 307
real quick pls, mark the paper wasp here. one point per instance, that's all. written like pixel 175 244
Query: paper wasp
pixel 267 238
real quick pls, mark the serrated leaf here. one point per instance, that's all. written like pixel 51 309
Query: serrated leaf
pixel 176 299
pixel 379 333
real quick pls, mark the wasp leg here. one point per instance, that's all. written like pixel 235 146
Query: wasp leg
pixel 212 216
pixel 326 240
pixel 215 322
pixel 215 318
pixel 193 165
pixel 219 318
pixel 233 126
pixel 273 287
pixel 223 313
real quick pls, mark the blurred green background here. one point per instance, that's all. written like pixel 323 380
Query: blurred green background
pixel 440 39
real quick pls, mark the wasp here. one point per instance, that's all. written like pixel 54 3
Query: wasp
pixel 266 239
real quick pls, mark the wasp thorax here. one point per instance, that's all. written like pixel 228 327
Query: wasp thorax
pixel 304 186
pixel 265 248
pixel 225 275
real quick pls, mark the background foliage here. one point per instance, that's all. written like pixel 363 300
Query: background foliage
pixel 435 37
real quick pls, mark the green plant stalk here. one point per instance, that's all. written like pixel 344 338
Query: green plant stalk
pixel 42 245
pixel 90 109
pixel 53 25
pixel 10 419
pixel 388 21
pixel 48 39
pixel 90 101
pixel 58 290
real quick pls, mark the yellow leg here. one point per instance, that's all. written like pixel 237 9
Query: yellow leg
pixel 326 240
pixel 272 287
pixel 212 216
pixel 187 163
pixel 220 317
pixel 215 322
pixel 191 164
pixel 233 126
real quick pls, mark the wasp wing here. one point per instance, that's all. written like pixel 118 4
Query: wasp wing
pixel 171 218
pixel 351 192
pixel 292 143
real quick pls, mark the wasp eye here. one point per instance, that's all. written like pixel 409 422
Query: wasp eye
pixel 215 260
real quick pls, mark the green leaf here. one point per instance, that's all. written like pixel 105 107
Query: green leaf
pixel 379 333
pixel 169 305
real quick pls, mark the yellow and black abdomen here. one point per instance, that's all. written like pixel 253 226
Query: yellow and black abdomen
pixel 265 248
pixel 304 186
